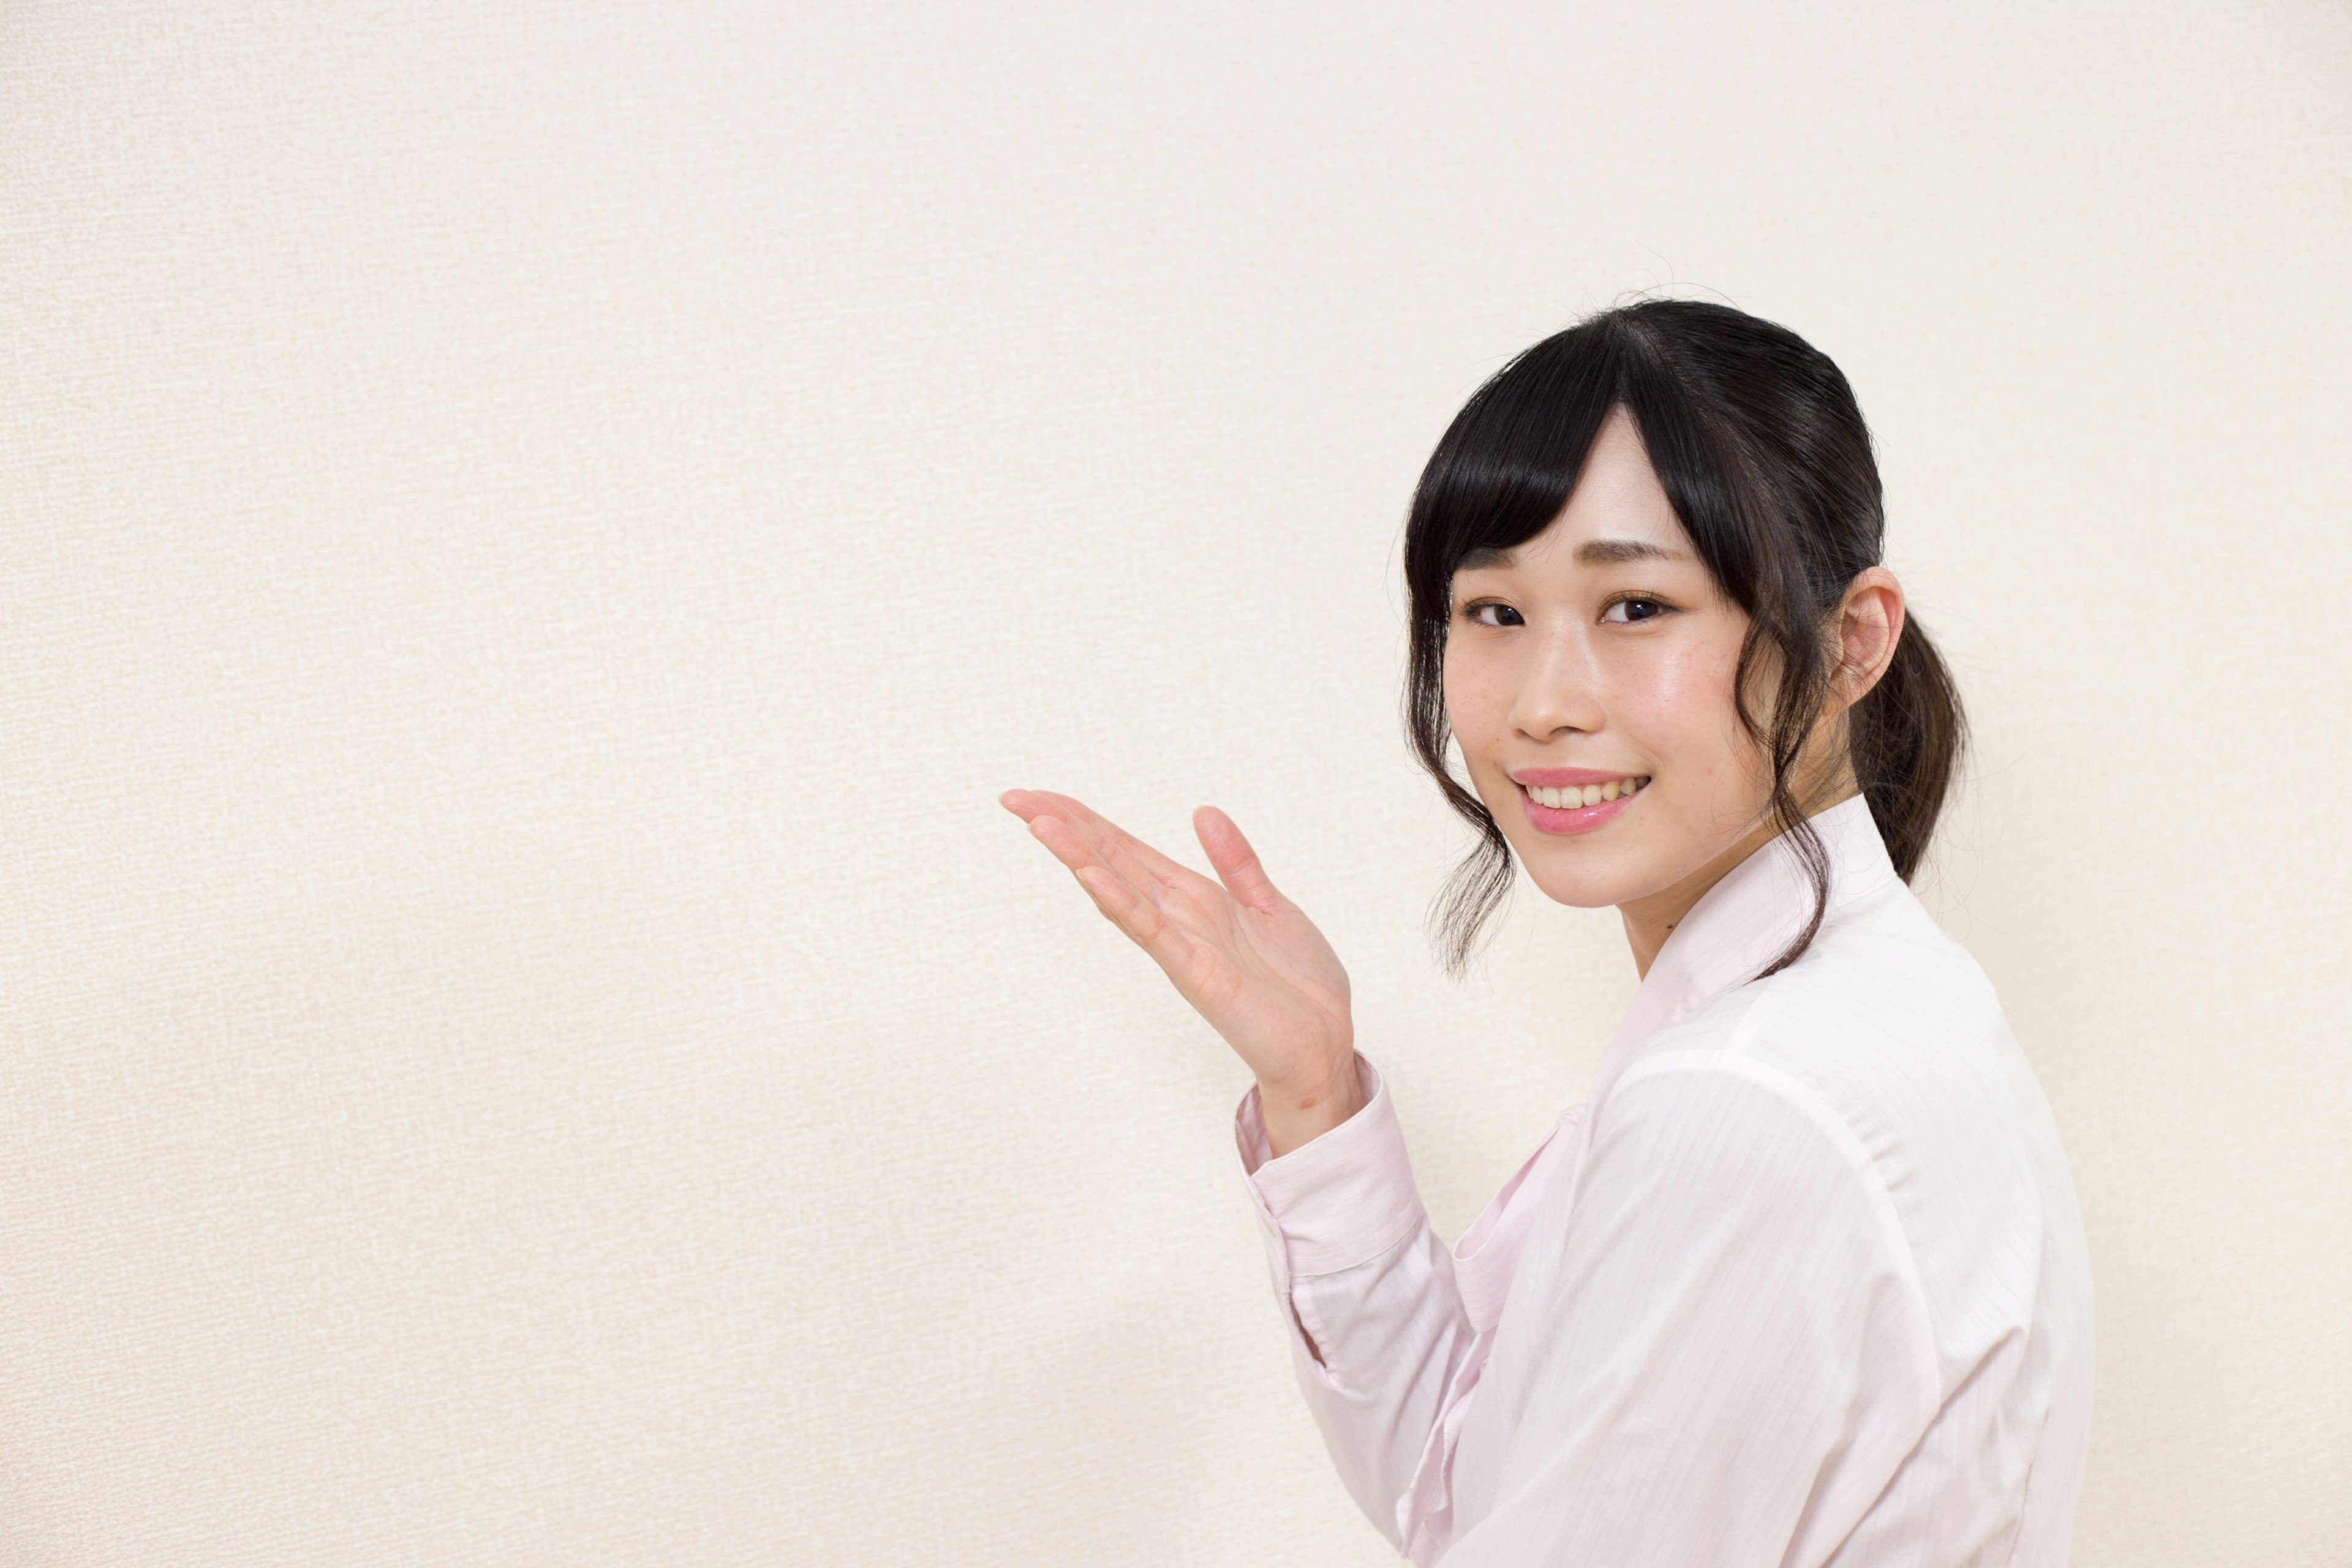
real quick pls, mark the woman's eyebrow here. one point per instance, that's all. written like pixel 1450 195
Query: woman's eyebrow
pixel 1592 553
pixel 1616 551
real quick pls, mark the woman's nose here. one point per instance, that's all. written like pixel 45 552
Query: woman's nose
pixel 1558 691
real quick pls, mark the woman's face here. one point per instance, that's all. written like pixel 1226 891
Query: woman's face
pixel 1598 658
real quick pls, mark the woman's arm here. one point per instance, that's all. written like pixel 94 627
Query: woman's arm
pixel 1381 1347
pixel 1368 1292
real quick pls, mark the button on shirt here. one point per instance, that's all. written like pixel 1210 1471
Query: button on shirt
pixel 1803 1281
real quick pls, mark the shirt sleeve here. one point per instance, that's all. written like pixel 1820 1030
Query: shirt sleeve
pixel 1734 1354
pixel 1376 1324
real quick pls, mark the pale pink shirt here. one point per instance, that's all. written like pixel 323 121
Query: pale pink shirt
pixel 1802 1281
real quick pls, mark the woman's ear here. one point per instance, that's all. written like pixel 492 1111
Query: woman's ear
pixel 1870 623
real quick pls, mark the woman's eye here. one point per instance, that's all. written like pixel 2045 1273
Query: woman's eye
pixel 1472 611
pixel 1622 610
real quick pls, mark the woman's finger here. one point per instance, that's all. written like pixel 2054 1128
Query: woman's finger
pixel 1176 953
pixel 1139 862
pixel 1235 861
pixel 1141 911
pixel 1056 835
pixel 1072 849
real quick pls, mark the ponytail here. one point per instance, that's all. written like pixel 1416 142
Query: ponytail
pixel 1906 735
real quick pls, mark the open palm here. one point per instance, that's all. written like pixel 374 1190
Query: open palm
pixel 1245 956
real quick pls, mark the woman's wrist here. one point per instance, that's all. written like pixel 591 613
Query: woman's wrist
pixel 1296 1114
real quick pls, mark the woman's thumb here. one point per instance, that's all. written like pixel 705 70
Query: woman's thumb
pixel 1237 863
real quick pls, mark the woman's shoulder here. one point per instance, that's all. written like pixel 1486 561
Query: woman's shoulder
pixel 1887 1035
pixel 1892 1027
pixel 1881 1001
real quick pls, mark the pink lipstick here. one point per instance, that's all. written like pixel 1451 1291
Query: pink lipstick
pixel 1566 819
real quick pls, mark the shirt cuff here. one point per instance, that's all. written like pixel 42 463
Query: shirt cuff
pixel 1340 1198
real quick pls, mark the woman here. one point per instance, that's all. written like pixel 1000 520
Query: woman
pixel 1803 1281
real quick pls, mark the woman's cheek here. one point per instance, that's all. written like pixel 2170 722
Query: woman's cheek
pixel 1665 702
pixel 1477 711
pixel 1472 701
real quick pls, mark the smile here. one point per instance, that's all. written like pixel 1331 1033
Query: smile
pixel 1579 809
pixel 1586 795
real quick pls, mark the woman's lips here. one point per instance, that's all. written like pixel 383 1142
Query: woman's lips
pixel 1575 819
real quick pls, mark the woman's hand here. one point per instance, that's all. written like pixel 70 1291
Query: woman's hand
pixel 1242 955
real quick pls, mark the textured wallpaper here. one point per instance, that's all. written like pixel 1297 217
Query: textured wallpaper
pixel 533 535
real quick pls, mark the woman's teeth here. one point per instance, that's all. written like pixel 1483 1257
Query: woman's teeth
pixel 1589 795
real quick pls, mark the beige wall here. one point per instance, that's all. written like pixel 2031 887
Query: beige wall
pixel 534 535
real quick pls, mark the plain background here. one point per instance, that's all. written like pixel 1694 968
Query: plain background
pixel 535 534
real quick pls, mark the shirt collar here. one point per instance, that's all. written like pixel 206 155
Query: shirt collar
pixel 1744 921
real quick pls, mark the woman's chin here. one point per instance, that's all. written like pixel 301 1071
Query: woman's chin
pixel 1589 877
pixel 1586 892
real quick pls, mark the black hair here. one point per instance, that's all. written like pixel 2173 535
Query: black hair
pixel 1759 442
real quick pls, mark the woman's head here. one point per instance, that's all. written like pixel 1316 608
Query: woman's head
pixel 1649 549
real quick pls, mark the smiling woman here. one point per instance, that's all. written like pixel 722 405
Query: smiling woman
pixel 1803 1281
pixel 1771 589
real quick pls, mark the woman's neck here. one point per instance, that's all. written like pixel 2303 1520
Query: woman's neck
pixel 1651 919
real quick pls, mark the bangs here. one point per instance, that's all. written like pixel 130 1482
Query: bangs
pixel 1510 459
pixel 1509 462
